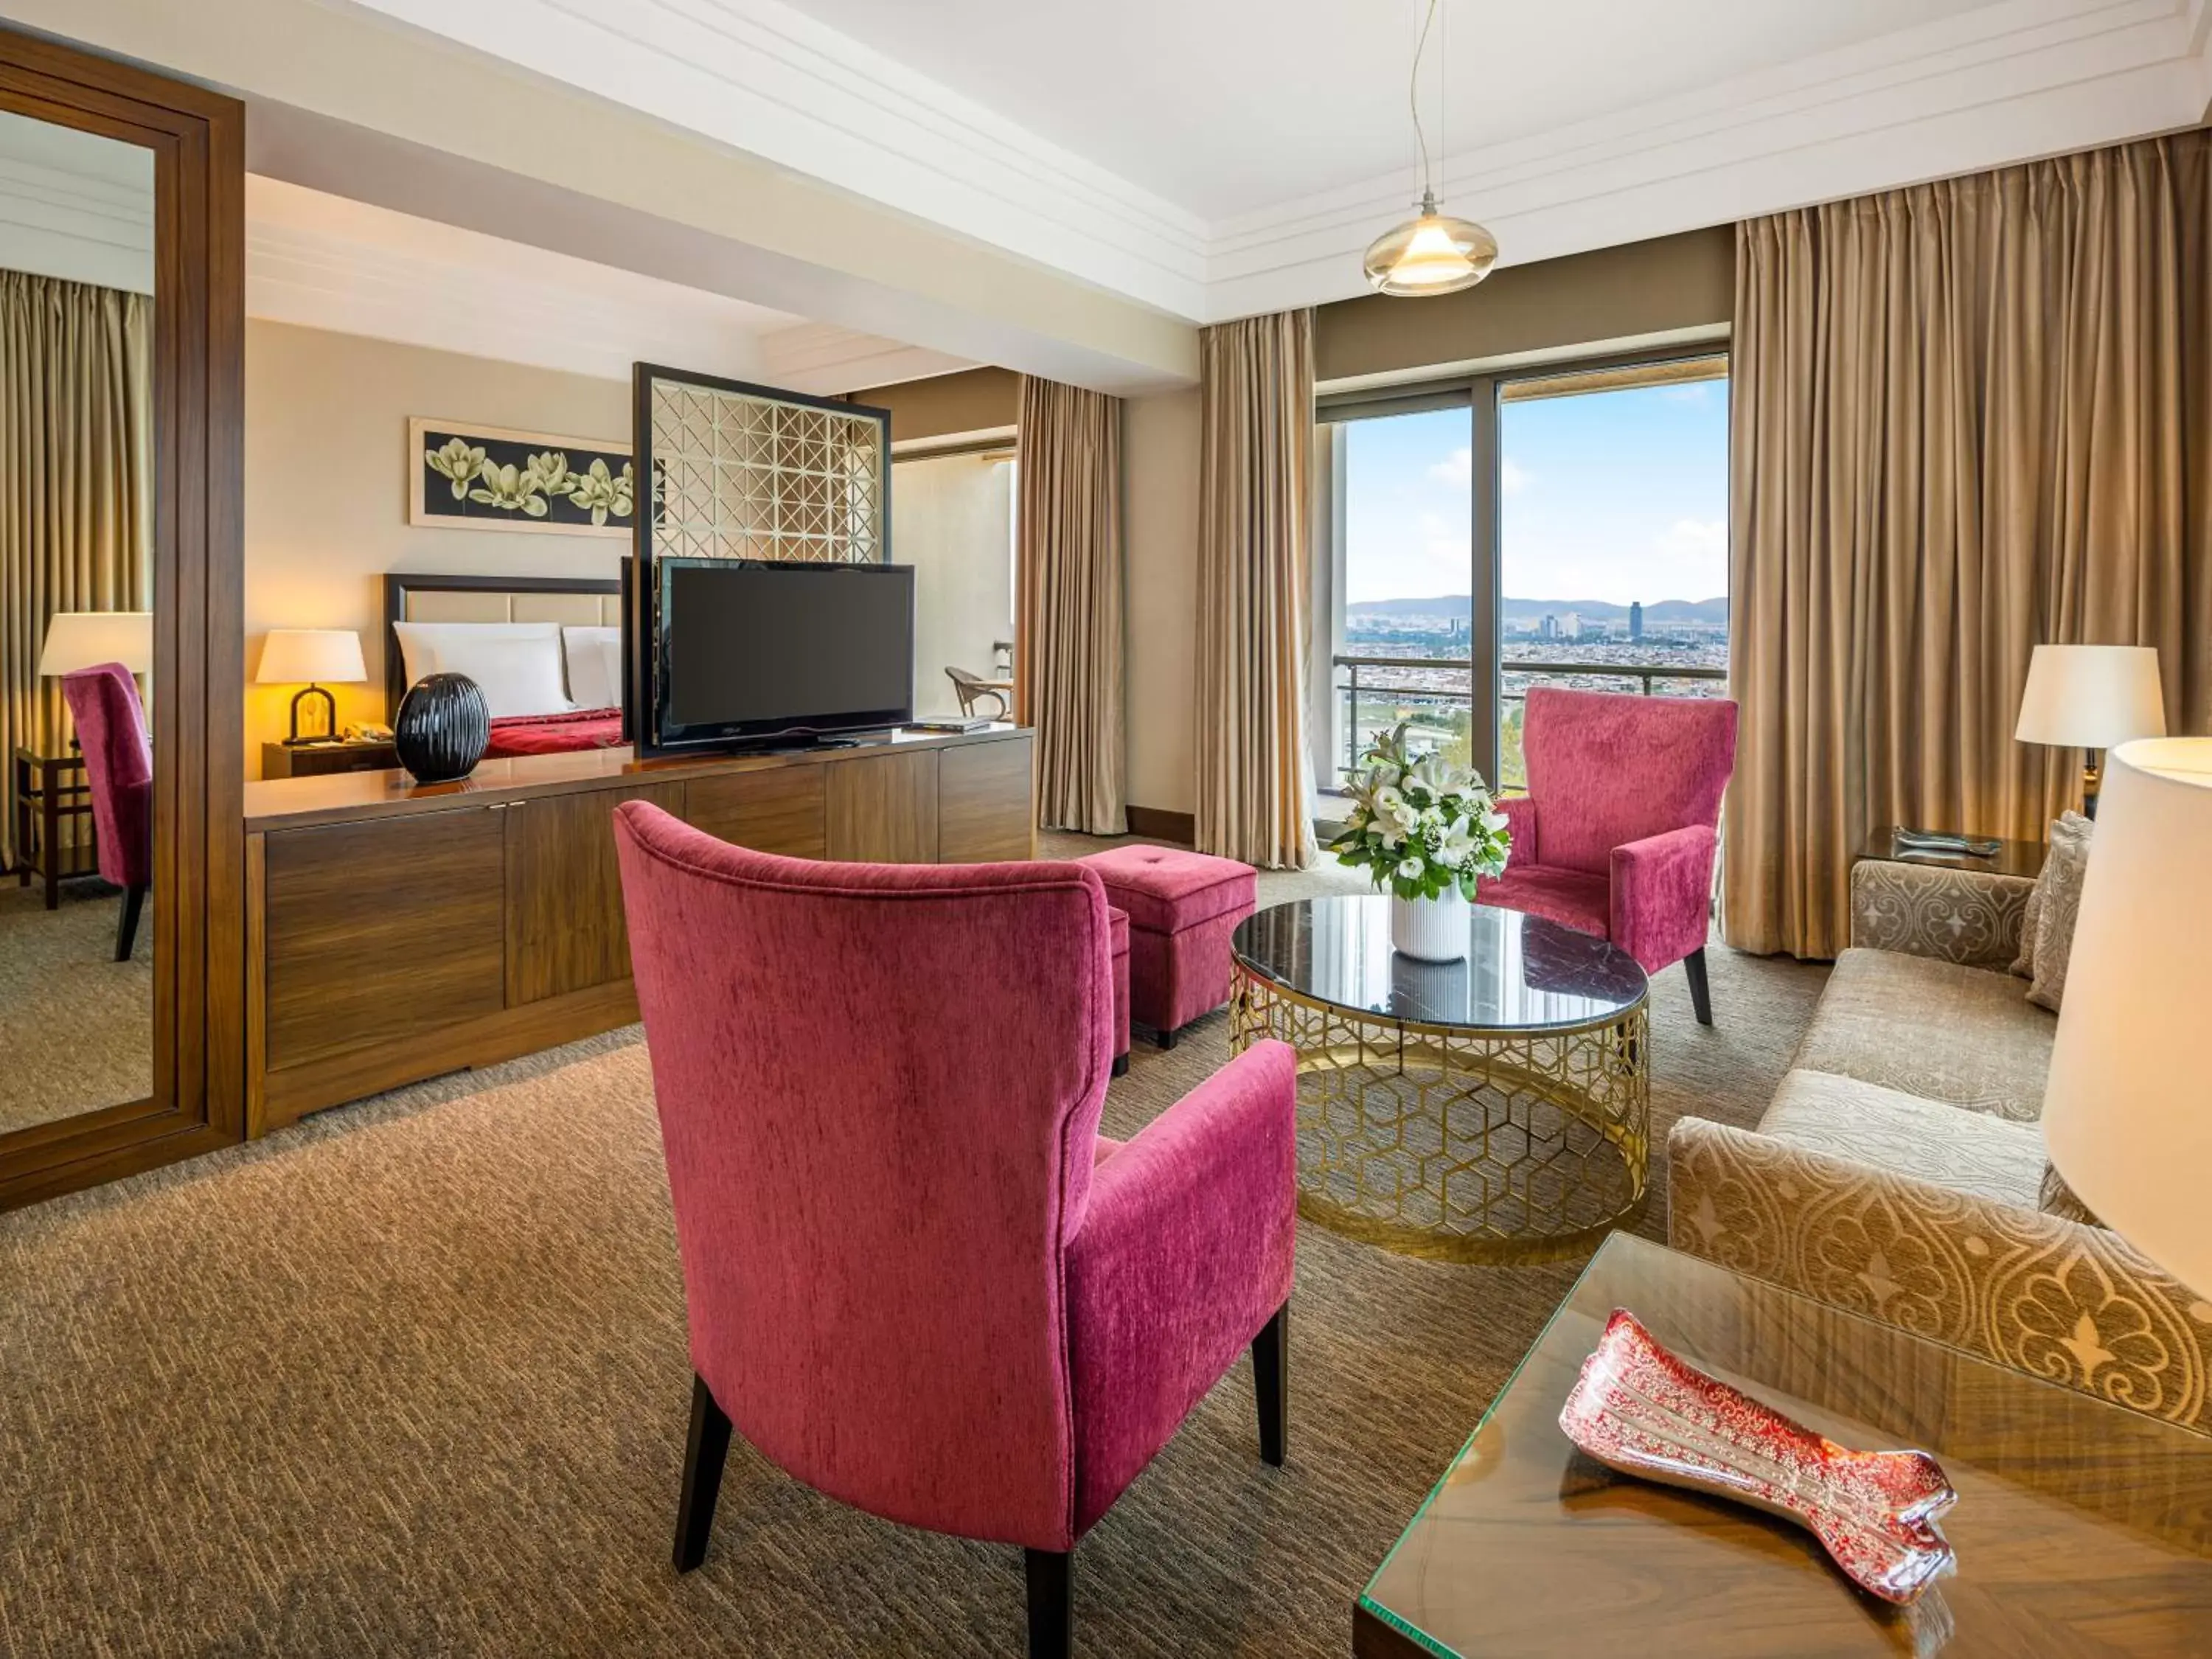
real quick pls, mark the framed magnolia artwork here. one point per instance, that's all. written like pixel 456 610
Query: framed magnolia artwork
pixel 485 477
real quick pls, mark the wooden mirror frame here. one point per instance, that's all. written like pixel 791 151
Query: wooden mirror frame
pixel 198 138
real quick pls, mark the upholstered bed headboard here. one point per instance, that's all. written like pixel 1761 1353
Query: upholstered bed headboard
pixel 574 601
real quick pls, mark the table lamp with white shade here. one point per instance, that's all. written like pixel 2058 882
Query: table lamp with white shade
pixel 305 657
pixel 2127 1114
pixel 2090 697
pixel 84 638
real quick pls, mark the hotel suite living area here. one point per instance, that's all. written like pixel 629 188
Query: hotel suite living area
pixel 852 829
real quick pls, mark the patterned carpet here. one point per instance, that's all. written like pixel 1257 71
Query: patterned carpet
pixel 410 1379
pixel 76 1026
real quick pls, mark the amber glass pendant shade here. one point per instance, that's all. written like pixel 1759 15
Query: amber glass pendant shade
pixel 1435 253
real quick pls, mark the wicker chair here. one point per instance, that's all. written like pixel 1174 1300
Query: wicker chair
pixel 969 687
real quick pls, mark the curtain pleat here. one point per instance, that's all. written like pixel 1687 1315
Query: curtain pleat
pixel 76 488
pixel 1968 417
pixel 1067 679
pixel 1254 587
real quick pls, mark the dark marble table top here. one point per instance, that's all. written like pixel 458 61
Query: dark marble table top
pixel 1521 973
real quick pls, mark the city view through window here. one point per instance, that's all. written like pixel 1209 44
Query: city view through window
pixel 1612 555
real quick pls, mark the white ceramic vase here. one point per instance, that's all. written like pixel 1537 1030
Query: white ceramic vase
pixel 1430 929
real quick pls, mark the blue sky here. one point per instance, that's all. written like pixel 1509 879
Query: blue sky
pixel 1615 496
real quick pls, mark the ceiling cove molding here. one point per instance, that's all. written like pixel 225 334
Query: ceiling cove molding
pixel 319 263
pixel 761 77
pixel 75 227
pixel 2033 77
pixel 825 360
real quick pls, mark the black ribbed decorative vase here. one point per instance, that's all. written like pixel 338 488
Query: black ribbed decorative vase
pixel 442 729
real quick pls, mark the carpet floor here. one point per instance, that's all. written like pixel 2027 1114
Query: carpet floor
pixel 410 1378
pixel 76 1026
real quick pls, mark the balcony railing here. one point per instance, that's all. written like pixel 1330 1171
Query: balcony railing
pixel 1450 714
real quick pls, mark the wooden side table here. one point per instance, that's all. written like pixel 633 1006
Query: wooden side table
pixel 50 791
pixel 321 760
pixel 2080 1529
pixel 2012 858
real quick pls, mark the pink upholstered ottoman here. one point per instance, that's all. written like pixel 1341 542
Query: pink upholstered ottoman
pixel 1117 922
pixel 1181 907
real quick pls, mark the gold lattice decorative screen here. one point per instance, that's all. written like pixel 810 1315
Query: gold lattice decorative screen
pixel 749 474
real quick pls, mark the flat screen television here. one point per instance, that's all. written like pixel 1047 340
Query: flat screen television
pixel 753 653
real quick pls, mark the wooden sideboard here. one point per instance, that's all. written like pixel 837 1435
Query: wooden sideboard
pixel 397 931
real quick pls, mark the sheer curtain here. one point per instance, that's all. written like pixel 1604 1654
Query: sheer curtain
pixel 1068 670
pixel 76 486
pixel 1968 417
pixel 1254 586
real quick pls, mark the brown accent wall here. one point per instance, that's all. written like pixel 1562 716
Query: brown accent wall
pixel 1610 293
pixel 973 400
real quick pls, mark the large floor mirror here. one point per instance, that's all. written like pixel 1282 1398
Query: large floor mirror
pixel 121 968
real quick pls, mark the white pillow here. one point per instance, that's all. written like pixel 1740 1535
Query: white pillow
pixel 594 657
pixel 419 642
pixel 516 665
pixel 517 677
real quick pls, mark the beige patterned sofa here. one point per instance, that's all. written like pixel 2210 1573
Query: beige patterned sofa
pixel 1899 1172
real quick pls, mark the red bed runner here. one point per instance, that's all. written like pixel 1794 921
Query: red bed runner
pixel 556 734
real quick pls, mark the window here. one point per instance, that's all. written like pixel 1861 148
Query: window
pixel 1563 528
pixel 1408 528
pixel 1613 537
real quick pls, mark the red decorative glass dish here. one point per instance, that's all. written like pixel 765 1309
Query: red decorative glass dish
pixel 1639 1409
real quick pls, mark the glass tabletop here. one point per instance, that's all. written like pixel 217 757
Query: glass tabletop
pixel 1521 973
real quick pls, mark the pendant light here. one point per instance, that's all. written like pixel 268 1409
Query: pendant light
pixel 1434 253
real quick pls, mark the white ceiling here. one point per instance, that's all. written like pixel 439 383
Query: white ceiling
pixel 323 261
pixel 1228 106
pixel 76 205
pixel 1215 158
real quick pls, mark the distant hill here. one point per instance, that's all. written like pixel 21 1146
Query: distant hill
pixel 1461 606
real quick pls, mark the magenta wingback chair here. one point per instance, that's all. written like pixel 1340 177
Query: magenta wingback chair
pixel 1617 833
pixel 119 773
pixel 917 1278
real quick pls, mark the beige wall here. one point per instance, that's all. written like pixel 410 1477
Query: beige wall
pixel 973 400
pixel 1159 533
pixel 1660 287
pixel 952 520
pixel 326 488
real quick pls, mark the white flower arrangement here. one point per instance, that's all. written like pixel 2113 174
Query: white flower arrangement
pixel 1421 827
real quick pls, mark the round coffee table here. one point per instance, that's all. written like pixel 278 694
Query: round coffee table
pixel 1492 1109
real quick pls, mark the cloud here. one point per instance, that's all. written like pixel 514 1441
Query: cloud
pixel 1458 469
pixel 1696 392
pixel 1694 538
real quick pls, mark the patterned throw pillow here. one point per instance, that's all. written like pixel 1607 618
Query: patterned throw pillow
pixel 2066 827
pixel 2061 907
pixel 2059 1199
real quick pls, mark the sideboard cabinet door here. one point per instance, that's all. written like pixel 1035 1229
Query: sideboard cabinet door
pixel 380 931
pixel 564 902
pixel 883 808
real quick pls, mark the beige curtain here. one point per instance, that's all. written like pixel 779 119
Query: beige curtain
pixel 1968 417
pixel 1255 587
pixel 76 486
pixel 1068 673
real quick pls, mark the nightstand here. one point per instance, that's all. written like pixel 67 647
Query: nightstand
pixel 319 760
pixel 50 789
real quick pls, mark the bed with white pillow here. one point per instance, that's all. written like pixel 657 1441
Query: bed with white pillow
pixel 546 651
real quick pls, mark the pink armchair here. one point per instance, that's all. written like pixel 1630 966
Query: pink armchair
pixel 119 773
pixel 1617 833
pixel 918 1279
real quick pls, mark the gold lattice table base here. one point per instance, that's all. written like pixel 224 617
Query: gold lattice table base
pixel 1457 1145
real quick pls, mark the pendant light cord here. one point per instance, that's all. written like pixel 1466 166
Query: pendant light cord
pixel 1414 102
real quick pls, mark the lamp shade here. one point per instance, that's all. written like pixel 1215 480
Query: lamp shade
pixel 308 656
pixel 2127 1114
pixel 85 639
pixel 2091 697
